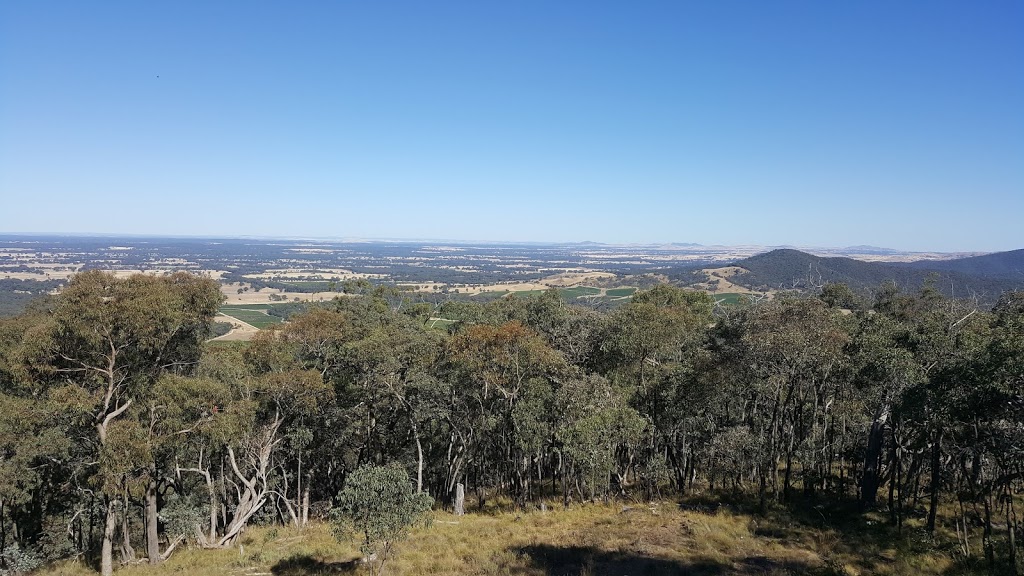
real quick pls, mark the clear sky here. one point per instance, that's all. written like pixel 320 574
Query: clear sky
pixel 814 123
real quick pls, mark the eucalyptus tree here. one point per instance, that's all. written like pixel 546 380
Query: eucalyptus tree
pixel 792 350
pixel 105 343
pixel 181 418
pixel 398 362
pixel 287 399
pixel 651 346
pixel 595 424
pixel 503 370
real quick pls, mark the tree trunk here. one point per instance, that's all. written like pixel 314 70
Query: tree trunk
pixel 305 501
pixel 460 499
pixel 127 551
pixel 419 459
pixel 254 493
pixel 1011 531
pixel 873 457
pixel 107 549
pixel 936 482
pixel 152 529
pixel 211 488
pixel 986 535
pixel 213 511
pixel 3 527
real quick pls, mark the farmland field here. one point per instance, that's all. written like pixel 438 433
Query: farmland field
pixel 311 285
pixel 527 293
pixel 254 315
pixel 440 323
pixel 566 293
pixel 576 292
pixel 729 298
pixel 247 307
pixel 620 292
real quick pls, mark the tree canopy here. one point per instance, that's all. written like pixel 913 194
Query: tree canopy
pixel 120 425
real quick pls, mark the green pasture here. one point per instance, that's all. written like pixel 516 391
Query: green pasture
pixel 578 291
pixel 251 315
pixel 620 292
pixel 566 293
pixel 527 293
pixel 440 323
pixel 729 298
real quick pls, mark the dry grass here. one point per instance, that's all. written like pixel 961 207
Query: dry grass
pixel 661 538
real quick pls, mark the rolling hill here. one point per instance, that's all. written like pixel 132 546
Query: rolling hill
pixel 997 265
pixel 793 269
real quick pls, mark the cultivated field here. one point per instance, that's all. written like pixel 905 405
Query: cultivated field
pixel 254 315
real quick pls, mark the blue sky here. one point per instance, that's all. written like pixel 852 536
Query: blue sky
pixel 897 124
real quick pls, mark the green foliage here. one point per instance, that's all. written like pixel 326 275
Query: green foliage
pixel 219 328
pixel 109 398
pixel 14 561
pixel 380 505
pixel 596 421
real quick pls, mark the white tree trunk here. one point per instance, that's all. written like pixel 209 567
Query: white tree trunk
pixel 107 549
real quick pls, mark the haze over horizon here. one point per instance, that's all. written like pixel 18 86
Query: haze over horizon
pixel 744 124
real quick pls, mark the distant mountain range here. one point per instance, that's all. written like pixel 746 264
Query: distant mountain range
pixel 984 277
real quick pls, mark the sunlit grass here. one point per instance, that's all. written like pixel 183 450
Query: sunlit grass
pixel 658 538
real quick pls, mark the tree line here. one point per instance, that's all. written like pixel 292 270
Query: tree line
pixel 121 428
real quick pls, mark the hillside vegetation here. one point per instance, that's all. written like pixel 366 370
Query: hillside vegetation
pixel 788 269
pixel 1008 265
pixel 784 435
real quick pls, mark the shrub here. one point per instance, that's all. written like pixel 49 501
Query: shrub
pixel 380 506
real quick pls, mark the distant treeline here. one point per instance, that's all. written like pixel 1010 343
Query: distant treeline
pixel 15 295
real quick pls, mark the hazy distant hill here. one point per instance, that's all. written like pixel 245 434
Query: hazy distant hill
pixel 997 265
pixel 793 269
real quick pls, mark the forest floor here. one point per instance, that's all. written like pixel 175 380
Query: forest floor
pixel 594 539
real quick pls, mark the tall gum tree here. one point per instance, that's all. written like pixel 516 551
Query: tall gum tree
pixel 109 339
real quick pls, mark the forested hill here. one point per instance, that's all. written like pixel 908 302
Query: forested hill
pixel 1008 265
pixel 793 269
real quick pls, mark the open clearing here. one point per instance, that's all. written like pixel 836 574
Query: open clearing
pixel 662 538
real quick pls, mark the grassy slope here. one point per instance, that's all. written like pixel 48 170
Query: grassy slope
pixel 663 538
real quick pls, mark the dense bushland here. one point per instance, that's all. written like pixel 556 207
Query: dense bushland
pixel 120 428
